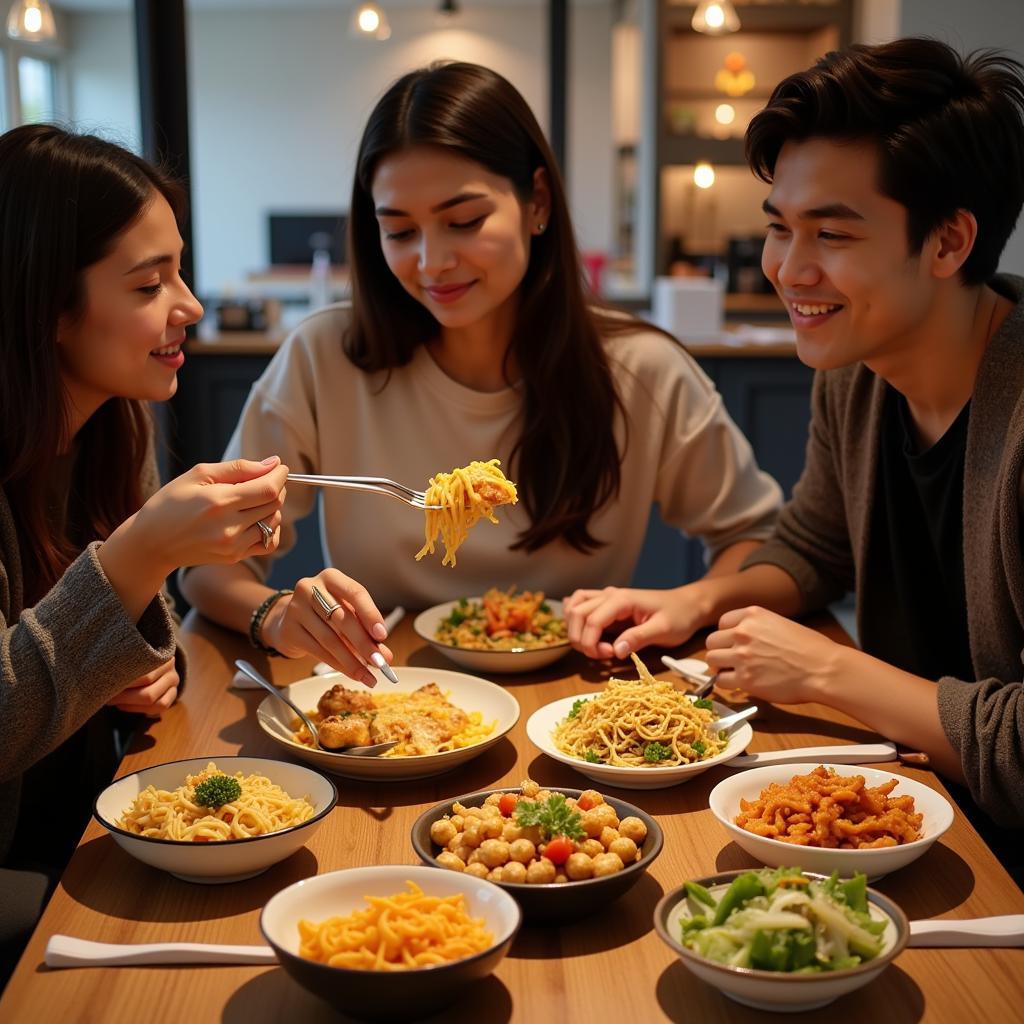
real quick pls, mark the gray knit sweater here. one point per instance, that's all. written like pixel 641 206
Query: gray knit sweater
pixel 823 537
pixel 64 658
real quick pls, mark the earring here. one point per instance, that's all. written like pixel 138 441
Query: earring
pixel 540 228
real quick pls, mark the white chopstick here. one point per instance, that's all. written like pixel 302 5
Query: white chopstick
pixel 67 951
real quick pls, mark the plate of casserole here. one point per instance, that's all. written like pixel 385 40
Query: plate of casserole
pixel 441 719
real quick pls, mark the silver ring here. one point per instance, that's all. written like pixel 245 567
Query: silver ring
pixel 268 534
pixel 325 606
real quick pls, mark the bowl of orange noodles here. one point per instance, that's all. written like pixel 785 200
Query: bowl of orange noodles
pixel 156 816
pixel 390 941
pixel 499 631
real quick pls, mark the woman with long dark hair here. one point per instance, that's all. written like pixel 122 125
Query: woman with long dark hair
pixel 93 314
pixel 470 335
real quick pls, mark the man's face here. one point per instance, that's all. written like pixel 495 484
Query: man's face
pixel 838 256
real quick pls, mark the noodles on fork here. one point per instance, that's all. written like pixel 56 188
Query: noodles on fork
pixel 466 496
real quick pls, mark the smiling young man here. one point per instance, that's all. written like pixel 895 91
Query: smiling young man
pixel 897 175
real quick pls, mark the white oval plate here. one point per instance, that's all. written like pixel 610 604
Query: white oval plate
pixel 524 660
pixel 467 692
pixel 542 723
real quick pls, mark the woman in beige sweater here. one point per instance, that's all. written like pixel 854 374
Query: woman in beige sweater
pixel 93 314
pixel 470 336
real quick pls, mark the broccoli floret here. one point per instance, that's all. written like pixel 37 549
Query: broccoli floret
pixel 217 791
pixel 655 752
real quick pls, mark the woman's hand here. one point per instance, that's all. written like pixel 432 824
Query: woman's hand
pixel 662 617
pixel 209 514
pixel 151 694
pixel 347 639
pixel 772 657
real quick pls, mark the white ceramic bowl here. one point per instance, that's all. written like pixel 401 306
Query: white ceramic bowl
pixel 725 804
pixel 386 994
pixel 774 990
pixel 470 693
pixel 519 660
pixel 232 859
pixel 541 725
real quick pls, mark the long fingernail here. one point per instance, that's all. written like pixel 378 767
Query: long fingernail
pixel 379 632
pixel 378 659
pixel 270 460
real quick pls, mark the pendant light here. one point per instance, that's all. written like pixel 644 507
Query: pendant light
pixel 715 17
pixel 32 21
pixel 370 22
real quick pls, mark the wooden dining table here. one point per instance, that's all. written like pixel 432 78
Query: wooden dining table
pixel 607 967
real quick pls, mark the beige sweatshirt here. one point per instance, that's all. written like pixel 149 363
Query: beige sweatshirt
pixel 323 415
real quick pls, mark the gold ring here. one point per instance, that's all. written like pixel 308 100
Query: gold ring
pixel 325 606
pixel 268 534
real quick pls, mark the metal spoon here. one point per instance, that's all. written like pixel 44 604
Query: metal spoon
pixel 371 751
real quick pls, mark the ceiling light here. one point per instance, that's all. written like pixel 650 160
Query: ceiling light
pixel 31 20
pixel 715 17
pixel 370 22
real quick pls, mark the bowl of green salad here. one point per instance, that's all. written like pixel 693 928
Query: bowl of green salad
pixel 782 939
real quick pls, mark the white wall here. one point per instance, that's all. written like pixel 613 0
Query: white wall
pixel 101 78
pixel 278 100
pixel 971 26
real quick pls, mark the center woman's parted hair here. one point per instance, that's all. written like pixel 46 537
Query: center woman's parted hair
pixel 566 460
pixel 64 200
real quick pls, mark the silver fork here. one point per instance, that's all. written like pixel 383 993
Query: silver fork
pixel 373 484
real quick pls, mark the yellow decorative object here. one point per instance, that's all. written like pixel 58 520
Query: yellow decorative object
pixel 735 79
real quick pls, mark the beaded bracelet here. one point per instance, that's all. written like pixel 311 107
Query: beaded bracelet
pixel 256 621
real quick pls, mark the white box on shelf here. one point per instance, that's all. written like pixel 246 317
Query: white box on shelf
pixel 689 307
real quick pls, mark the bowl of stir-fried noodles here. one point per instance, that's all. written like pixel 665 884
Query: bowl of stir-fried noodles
pixel 500 631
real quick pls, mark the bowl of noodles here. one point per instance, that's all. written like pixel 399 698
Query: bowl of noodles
pixel 390 941
pixel 500 631
pixel 636 733
pixel 215 819
pixel 844 818
pixel 442 719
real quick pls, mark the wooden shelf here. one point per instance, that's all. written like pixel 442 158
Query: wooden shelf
pixel 691 149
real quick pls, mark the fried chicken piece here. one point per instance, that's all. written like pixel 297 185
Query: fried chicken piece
pixel 420 732
pixel 338 699
pixel 336 732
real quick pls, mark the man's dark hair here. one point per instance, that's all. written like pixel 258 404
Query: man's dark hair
pixel 949 129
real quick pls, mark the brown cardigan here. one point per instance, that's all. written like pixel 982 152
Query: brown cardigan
pixel 823 537
pixel 64 658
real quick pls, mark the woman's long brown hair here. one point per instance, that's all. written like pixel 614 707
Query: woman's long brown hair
pixel 64 200
pixel 566 460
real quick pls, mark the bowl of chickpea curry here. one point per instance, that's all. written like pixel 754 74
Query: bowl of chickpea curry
pixel 561 853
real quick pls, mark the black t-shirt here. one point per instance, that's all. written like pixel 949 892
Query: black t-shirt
pixel 917 543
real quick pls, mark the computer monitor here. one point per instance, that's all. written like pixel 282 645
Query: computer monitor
pixel 294 237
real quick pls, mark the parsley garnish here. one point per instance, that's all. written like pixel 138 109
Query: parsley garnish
pixel 591 756
pixel 655 752
pixel 554 815
pixel 698 746
pixel 704 703
pixel 577 706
